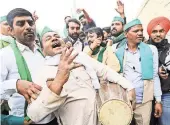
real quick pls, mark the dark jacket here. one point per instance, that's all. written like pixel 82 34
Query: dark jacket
pixel 163 50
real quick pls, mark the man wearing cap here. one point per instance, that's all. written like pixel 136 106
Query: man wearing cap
pixel 85 20
pixel 117 25
pixel 139 64
pixel 19 62
pixel 157 30
pixel 5 38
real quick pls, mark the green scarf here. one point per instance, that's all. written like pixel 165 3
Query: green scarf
pixel 119 38
pixel 22 68
pixel 100 56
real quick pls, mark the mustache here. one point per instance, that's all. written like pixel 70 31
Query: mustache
pixel 75 34
pixel 114 29
pixel 158 37
pixel 56 43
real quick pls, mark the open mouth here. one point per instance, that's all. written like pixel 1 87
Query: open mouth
pixel 56 44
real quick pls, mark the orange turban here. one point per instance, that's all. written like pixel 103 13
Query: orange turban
pixel 162 21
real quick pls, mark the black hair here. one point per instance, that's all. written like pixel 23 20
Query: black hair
pixel 107 29
pixel 81 16
pixel 17 12
pixel 96 30
pixel 72 20
pixel 66 17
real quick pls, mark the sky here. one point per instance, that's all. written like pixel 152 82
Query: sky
pixel 51 13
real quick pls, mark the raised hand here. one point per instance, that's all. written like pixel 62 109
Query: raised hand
pixel 120 8
pixel 35 16
pixel 79 10
pixel 65 65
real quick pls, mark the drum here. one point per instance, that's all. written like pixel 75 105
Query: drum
pixel 114 108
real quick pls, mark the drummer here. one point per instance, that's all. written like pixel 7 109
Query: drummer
pixel 70 93
pixel 139 64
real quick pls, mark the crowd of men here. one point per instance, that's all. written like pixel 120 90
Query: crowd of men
pixel 49 80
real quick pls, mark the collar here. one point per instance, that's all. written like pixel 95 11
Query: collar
pixel 126 48
pixel 22 47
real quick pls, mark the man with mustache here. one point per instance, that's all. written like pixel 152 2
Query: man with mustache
pixel 139 64
pixel 117 25
pixel 69 82
pixel 157 30
pixel 19 61
pixel 73 28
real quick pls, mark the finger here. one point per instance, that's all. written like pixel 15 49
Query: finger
pixel 156 113
pixel 160 113
pixel 68 53
pixel 116 9
pixel 30 92
pixel 121 3
pixel 118 2
pixel 76 65
pixel 71 58
pixel 27 98
pixel 63 53
pixel 37 87
pixel 34 96
pixel 35 90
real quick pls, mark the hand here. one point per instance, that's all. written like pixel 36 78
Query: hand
pixel 28 89
pixel 35 16
pixel 68 44
pixel 65 65
pixel 132 98
pixel 96 43
pixel 109 42
pixel 120 8
pixel 79 10
pixel 158 110
pixel 27 122
pixel 162 73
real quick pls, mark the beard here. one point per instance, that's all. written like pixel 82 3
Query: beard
pixel 117 33
pixel 74 36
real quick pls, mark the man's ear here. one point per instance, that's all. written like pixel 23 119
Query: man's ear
pixel 11 32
